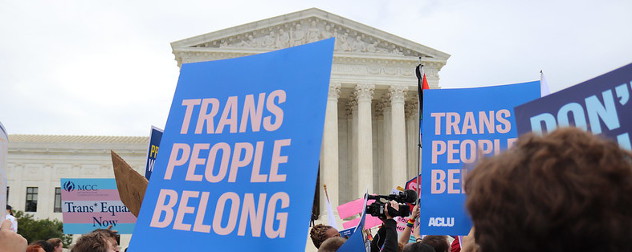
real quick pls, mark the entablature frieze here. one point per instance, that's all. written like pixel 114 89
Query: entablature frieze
pixel 182 54
pixel 383 72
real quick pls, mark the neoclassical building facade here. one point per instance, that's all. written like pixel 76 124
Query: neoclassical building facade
pixel 371 130
pixel 36 163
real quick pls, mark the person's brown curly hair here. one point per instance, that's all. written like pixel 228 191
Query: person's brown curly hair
pixel 318 234
pixel 331 244
pixel 91 242
pixel 566 191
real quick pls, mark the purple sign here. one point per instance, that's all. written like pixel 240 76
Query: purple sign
pixel 601 105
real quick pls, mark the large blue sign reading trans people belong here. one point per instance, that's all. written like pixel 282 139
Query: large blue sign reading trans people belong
pixel 238 160
pixel 602 105
pixel 460 125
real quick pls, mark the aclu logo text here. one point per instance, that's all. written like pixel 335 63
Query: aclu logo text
pixel 441 222
pixel 70 186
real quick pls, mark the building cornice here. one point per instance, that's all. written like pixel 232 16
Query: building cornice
pixel 17 138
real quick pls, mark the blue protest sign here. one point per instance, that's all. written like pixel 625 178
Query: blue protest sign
pixel 346 233
pixel 239 158
pixel 152 151
pixel 356 241
pixel 460 125
pixel 601 105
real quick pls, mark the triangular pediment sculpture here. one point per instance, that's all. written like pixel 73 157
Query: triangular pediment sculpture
pixel 304 27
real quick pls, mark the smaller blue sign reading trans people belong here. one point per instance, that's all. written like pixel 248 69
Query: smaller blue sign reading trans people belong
pixel 460 125
pixel 602 105
pixel 238 160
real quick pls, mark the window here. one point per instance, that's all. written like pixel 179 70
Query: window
pixel 57 208
pixel 31 199
pixel 7 195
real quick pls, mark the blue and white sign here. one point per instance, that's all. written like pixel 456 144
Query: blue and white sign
pixel 356 241
pixel 460 125
pixel 346 233
pixel 89 204
pixel 239 157
pixel 601 105
pixel 152 152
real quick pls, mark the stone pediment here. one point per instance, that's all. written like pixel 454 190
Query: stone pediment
pixel 352 38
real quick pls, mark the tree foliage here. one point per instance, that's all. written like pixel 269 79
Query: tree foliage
pixel 34 230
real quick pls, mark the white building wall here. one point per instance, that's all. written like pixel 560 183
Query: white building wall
pixel 41 161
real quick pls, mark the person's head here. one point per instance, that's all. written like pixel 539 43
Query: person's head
pixel 438 242
pixel 57 244
pixel 417 247
pixel 112 236
pixel 320 233
pixel 107 232
pixel 9 210
pixel 566 191
pixel 332 244
pixel 45 245
pixel 93 242
pixel 35 248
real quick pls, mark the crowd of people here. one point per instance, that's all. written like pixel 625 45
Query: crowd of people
pixel 327 239
pixel 565 191
pixel 99 240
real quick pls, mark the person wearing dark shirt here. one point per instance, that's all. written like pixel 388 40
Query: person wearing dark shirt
pixel 386 238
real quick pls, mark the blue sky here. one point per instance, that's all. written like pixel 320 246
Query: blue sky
pixel 106 67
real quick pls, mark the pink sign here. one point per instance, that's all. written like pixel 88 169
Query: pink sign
pixel 89 204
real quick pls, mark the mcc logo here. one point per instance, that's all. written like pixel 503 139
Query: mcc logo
pixel 70 186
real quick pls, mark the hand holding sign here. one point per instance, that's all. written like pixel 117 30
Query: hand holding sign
pixel 11 241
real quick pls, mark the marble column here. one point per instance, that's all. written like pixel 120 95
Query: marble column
pixel 412 136
pixel 398 136
pixel 383 182
pixel 349 176
pixel 329 149
pixel 18 189
pixel 364 94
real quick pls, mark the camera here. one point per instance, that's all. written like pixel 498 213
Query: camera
pixel 379 207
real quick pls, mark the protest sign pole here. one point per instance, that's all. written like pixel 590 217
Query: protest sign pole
pixel 418 71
